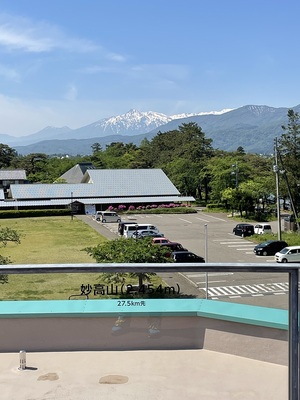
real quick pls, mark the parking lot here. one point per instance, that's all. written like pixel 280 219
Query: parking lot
pixel 211 233
pixel 195 231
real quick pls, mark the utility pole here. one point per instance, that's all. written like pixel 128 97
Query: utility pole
pixel 276 170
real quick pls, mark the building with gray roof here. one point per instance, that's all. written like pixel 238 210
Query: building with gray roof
pixel 10 176
pixel 75 174
pixel 98 189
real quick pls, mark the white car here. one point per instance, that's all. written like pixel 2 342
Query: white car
pixel 107 216
pixel 288 254
pixel 262 227
pixel 142 234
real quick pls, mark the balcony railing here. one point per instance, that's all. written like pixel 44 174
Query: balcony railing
pixel 291 269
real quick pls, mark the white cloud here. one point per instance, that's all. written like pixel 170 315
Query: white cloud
pixel 18 33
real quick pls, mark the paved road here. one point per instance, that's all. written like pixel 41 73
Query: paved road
pixel 194 231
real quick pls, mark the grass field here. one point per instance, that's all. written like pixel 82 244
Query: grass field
pixel 48 240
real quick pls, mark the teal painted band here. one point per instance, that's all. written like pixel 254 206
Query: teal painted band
pixel 239 313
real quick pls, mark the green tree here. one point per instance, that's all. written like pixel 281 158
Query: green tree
pixel 230 169
pixel 181 153
pixel 34 165
pixel 97 156
pixel 240 150
pixel 128 251
pixel 7 235
pixel 96 147
pixel 119 155
pixel 289 151
pixel 7 155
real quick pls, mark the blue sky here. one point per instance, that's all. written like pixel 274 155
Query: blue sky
pixel 75 62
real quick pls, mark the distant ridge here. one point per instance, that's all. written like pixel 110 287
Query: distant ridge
pixel 253 127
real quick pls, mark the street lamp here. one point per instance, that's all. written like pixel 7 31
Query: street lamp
pixel 276 170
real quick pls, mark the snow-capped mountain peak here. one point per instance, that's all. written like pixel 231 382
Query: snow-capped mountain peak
pixel 143 122
pixel 134 121
pixel 178 116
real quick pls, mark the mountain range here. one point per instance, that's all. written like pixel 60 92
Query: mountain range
pixel 253 127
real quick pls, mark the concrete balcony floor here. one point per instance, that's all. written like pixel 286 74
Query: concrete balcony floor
pixel 141 375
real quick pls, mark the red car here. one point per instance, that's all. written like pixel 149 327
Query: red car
pixel 160 240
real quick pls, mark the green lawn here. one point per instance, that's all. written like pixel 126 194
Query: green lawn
pixel 48 240
pixel 51 240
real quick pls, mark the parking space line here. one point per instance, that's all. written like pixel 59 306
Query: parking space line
pixel 236 242
pixel 209 273
pixel 185 220
pixel 219 219
pixel 202 219
pixel 240 244
pixel 202 282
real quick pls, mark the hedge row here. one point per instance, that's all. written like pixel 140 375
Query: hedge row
pixel 177 210
pixel 34 213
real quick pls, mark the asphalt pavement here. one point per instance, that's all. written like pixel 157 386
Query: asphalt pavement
pixel 210 235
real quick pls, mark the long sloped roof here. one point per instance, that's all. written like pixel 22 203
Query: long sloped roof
pixel 104 184
pixel 14 174
pixel 132 182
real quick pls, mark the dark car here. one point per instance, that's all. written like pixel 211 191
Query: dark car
pixel 173 246
pixel 243 230
pixel 186 257
pixel 269 248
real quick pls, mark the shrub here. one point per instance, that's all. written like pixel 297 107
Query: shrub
pixel 34 213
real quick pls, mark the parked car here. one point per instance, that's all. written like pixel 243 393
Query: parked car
pixel 160 240
pixel 107 216
pixel 142 234
pixel 121 226
pixel 262 227
pixel 130 229
pixel 243 229
pixel 288 254
pixel 186 257
pixel 173 246
pixel 269 248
